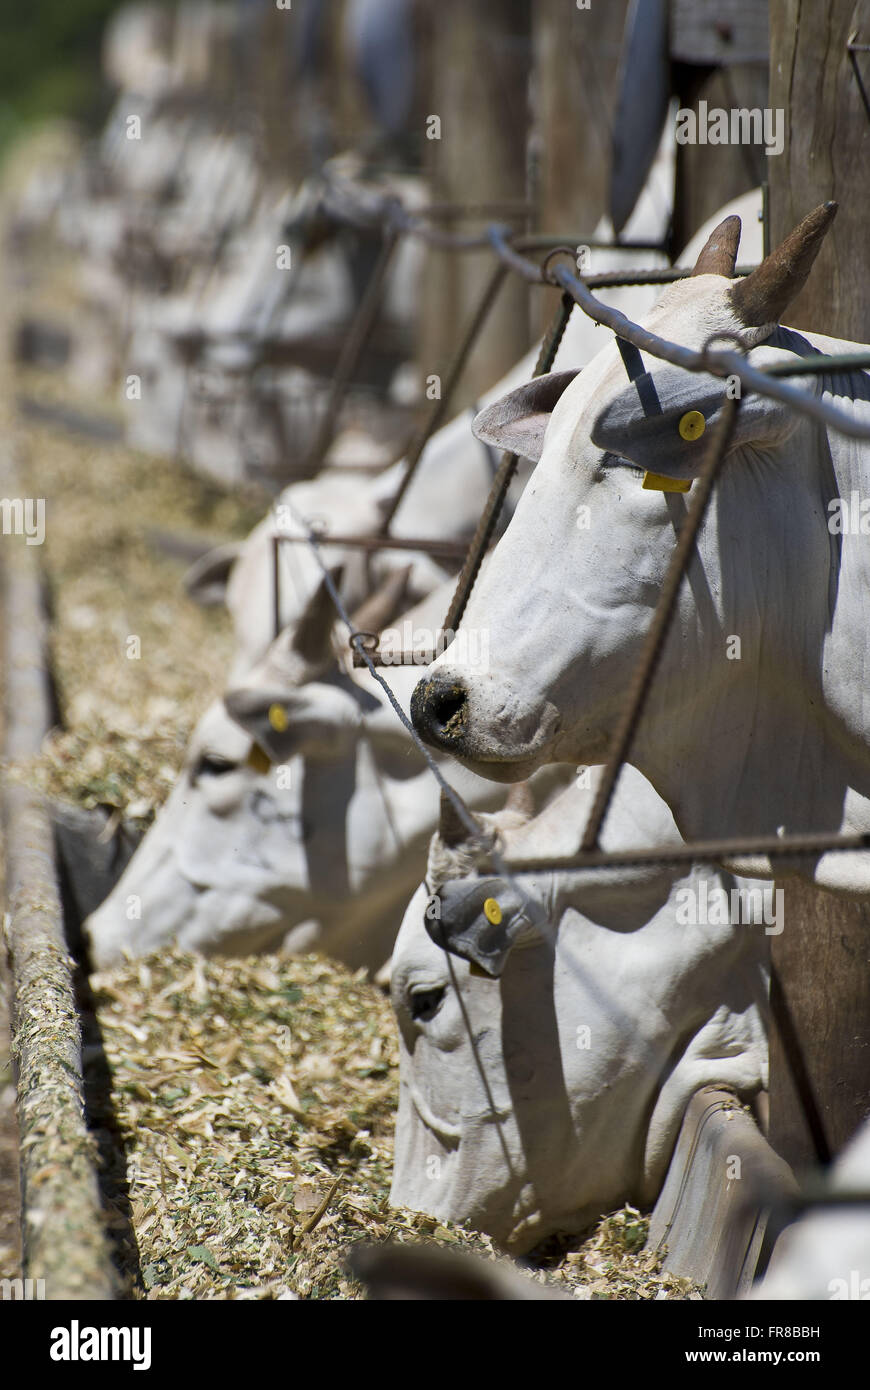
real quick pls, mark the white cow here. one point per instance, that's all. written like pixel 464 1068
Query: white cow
pixel 323 848
pixel 445 498
pixel 777 738
pixel 162 878
pixel 532 1102
pixel 281 286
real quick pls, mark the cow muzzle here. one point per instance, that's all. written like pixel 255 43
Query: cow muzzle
pixel 439 711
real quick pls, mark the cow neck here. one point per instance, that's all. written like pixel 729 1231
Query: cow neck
pixel 784 732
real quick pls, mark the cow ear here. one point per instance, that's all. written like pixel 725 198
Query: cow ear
pixel 518 422
pixel 662 422
pixel 312 636
pixel 206 580
pixel 268 719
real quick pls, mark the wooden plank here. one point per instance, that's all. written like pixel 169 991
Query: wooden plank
pixel 826 155
pixel 823 956
pixel 479 66
pixel 706 1220
pixel 822 959
pixel 576 56
pixel 707 176
pixel 719 31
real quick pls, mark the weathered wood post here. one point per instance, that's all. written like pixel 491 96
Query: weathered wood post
pixel 576 58
pixel 476 153
pixel 718 57
pixel 575 61
pixel 822 958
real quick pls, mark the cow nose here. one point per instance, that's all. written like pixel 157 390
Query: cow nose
pixel 439 710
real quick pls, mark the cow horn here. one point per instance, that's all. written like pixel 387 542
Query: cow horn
pixel 765 294
pixel 521 798
pixel 381 606
pixel 451 830
pixel 312 635
pixel 718 255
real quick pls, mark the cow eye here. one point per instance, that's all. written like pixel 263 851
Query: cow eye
pixel 609 460
pixel 425 1003
pixel 212 765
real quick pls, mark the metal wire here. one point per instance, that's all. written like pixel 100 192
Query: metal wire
pixel 769 846
pixel 358 335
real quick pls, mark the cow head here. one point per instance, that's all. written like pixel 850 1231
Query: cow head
pixel 210 869
pixel 569 592
pixel 298 695
pixel 307 825
pixel 472 914
pixel 532 1102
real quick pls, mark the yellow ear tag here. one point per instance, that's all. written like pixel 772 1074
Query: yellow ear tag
pixel 492 911
pixel 278 718
pixel 257 759
pixel 658 483
pixel 692 425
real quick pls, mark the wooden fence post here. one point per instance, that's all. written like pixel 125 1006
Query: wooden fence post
pixel 476 148
pixel 822 958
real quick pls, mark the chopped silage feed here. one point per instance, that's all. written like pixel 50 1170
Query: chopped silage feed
pixel 256 1100
pixel 135 661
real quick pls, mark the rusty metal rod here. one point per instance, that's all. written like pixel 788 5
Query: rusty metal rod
pixel 355 206
pixel 661 621
pixel 358 334
pixel 446 550
pixel 276 586
pixel 454 372
pixel 697 851
pixel 718 363
pixel 502 481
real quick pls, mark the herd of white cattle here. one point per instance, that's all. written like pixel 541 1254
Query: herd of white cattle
pixel 545 1069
